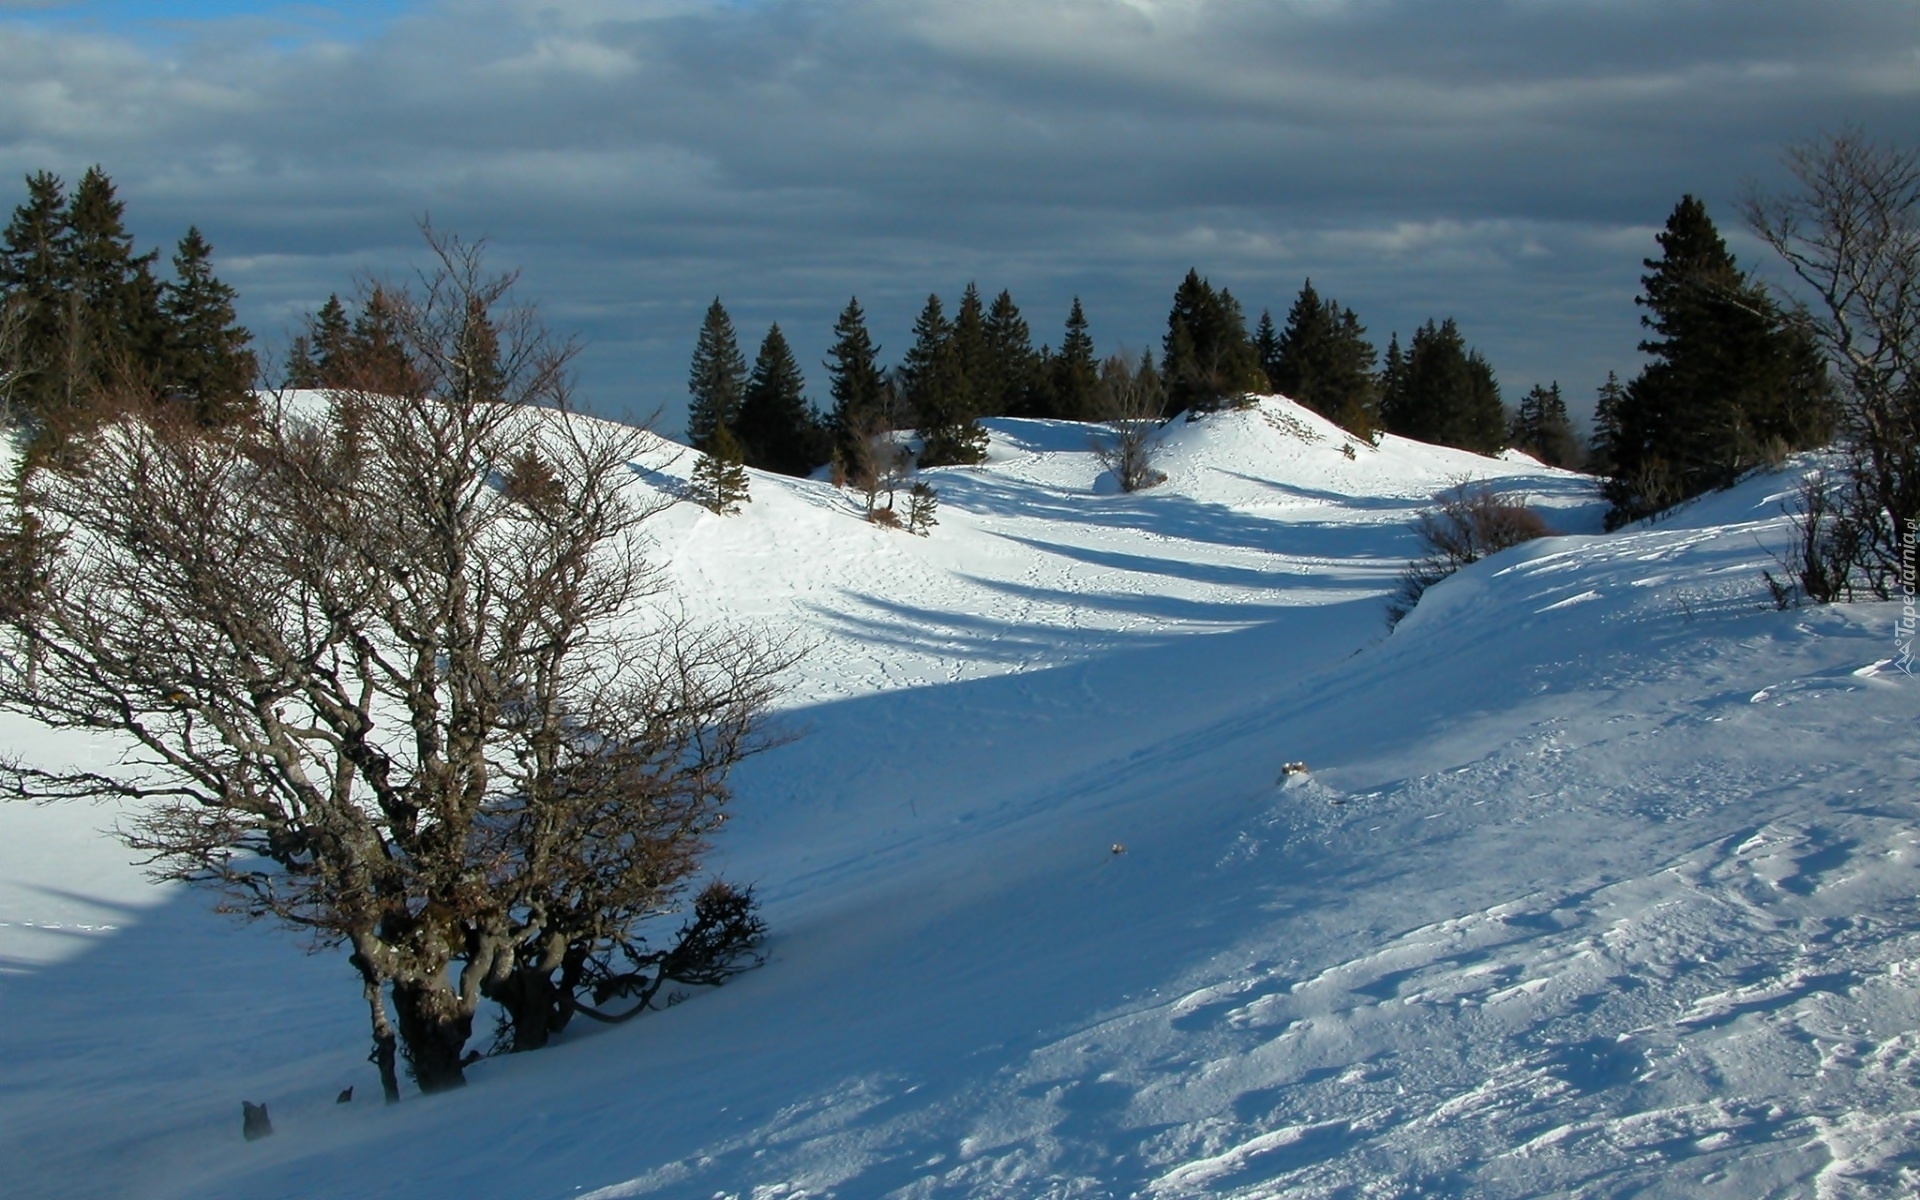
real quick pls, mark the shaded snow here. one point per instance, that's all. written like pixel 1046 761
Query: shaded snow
pixel 1603 882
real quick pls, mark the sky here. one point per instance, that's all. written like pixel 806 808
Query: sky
pixel 1502 162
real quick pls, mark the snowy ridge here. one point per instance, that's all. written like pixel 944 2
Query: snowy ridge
pixel 1604 879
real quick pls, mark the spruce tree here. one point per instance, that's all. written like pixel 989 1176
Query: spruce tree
pixel 117 296
pixel 1076 374
pixel 1323 360
pixel 935 389
pixel 208 365
pixel 779 430
pixel 33 279
pixel 717 380
pixel 1209 359
pixel 330 335
pixel 1606 426
pixel 971 355
pixel 1266 347
pixel 719 481
pixel 376 359
pixel 1011 361
pixel 858 390
pixel 1541 428
pixel 1443 393
pixel 300 370
pixel 1730 381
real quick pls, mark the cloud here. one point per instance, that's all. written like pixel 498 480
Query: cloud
pixel 1495 160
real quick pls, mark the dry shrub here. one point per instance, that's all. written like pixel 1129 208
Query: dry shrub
pixel 1467 523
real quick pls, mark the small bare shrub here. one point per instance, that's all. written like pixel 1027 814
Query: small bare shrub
pixel 1819 564
pixel 1467 523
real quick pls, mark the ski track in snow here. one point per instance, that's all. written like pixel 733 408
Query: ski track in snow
pixel 1605 880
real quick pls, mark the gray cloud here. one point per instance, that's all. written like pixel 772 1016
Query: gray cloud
pixel 1501 161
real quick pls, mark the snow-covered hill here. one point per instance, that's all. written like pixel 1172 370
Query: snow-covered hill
pixel 1603 881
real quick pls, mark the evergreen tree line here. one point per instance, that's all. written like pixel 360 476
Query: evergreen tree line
pixel 981 362
pixel 89 326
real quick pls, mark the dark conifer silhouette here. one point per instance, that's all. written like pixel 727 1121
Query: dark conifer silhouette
pixel 858 389
pixel 779 431
pixel 1443 393
pixel 1209 359
pixel 717 380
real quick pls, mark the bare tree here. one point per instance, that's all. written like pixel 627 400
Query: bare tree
pixel 1133 399
pixel 1851 235
pixel 382 678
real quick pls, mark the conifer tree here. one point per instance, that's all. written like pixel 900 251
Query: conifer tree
pixel 857 386
pixel 1606 426
pixel 1076 374
pixel 1443 393
pixel 376 359
pixel 1266 347
pixel 717 380
pixel 970 352
pixel 117 295
pixel 719 481
pixel 90 322
pixel 331 336
pixel 1541 427
pixel 779 430
pixel 208 364
pixel 1323 360
pixel 300 371
pixel 1730 380
pixel 1011 361
pixel 1209 359
pixel 33 279
pixel 936 391
pixel 922 501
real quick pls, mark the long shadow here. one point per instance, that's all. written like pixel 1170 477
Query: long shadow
pixel 1167 514
pixel 1220 573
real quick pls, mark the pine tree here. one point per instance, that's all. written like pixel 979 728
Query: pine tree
pixel 476 371
pixel 935 389
pixel 375 359
pixel 1075 372
pixel 857 387
pixel 1541 427
pixel 1323 360
pixel 116 293
pixel 719 481
pixel 1606 426
pixel 717 380
pixel 922 500
pixel 779 430
pixel 300 371
pixel 1011 362
pixel 208 364
pixel 90 318
pixel 1209 359
pixel 1266 347
pixel 330 335
pixel 1730 381
pixel 971 357
pixel 33 279
pixel 1441 392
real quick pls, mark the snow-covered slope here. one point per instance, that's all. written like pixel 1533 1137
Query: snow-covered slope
pixel 1603 881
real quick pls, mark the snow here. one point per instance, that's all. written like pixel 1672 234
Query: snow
pixel 1605 879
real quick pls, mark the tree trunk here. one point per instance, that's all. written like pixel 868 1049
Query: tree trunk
pixel 384 1043
pixel 536 1006
pixel 433 1035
